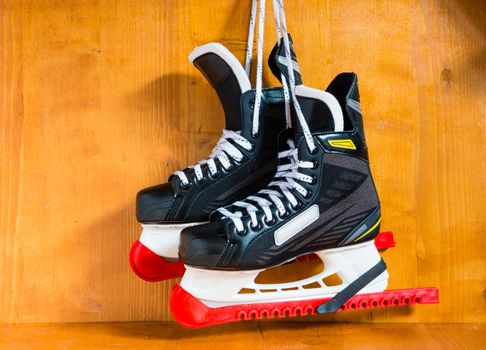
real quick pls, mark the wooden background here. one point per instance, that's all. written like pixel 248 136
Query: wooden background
pixel 98 100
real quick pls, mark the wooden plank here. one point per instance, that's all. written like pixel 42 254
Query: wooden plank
pixel 252 335
pixel 98 100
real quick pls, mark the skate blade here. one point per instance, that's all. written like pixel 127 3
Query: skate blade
pixel 151 267
pixel 188 311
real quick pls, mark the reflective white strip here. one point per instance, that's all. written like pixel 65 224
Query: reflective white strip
pixel 354 105
pixel 297 224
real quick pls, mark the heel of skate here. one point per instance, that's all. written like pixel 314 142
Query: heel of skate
pixel 154 257
pixel 384 240
pixel 151 267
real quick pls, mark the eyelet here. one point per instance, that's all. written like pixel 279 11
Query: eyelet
pixel 257 135
pixel 227 170
pixel 215 175
pixel 297 206
pixel 308 194
pixel 186 186
pixel 314 180
pixel 256 228
pixel 251 104
pixel 284 215
pixel 315 164
pixel 314 151
pixel 271 222
pixel 200 182
pixel 241 233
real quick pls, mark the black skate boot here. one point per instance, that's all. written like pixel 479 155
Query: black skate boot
pixel 243 161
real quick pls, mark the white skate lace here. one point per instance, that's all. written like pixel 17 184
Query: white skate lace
pixel 259 68
pixel 285 180
pixel 223 150
pixel 288 174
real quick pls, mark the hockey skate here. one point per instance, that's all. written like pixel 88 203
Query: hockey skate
pixel 322 201
pixel 243 161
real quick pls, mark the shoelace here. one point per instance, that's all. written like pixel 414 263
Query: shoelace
pixel 286 179
pixel 288 176
pixel 223 150
pixel 259 68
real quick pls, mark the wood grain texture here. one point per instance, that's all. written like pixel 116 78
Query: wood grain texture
pixel 248 335
pixel 98 100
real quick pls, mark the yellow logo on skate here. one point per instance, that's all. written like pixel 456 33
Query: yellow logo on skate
pixel 342 143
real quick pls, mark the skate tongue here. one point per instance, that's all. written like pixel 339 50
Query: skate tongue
pixel 226 75
pixel 278 62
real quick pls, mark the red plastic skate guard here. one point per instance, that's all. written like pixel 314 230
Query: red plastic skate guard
pixel 190 312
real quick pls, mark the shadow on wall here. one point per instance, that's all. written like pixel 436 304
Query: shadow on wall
pixel 167 112
pixel 172 103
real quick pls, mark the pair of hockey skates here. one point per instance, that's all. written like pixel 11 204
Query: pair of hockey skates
pixel 288 179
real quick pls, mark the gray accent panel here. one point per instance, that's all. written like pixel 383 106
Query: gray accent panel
pixel 354 105
pixel 369 222
pixel 283 61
